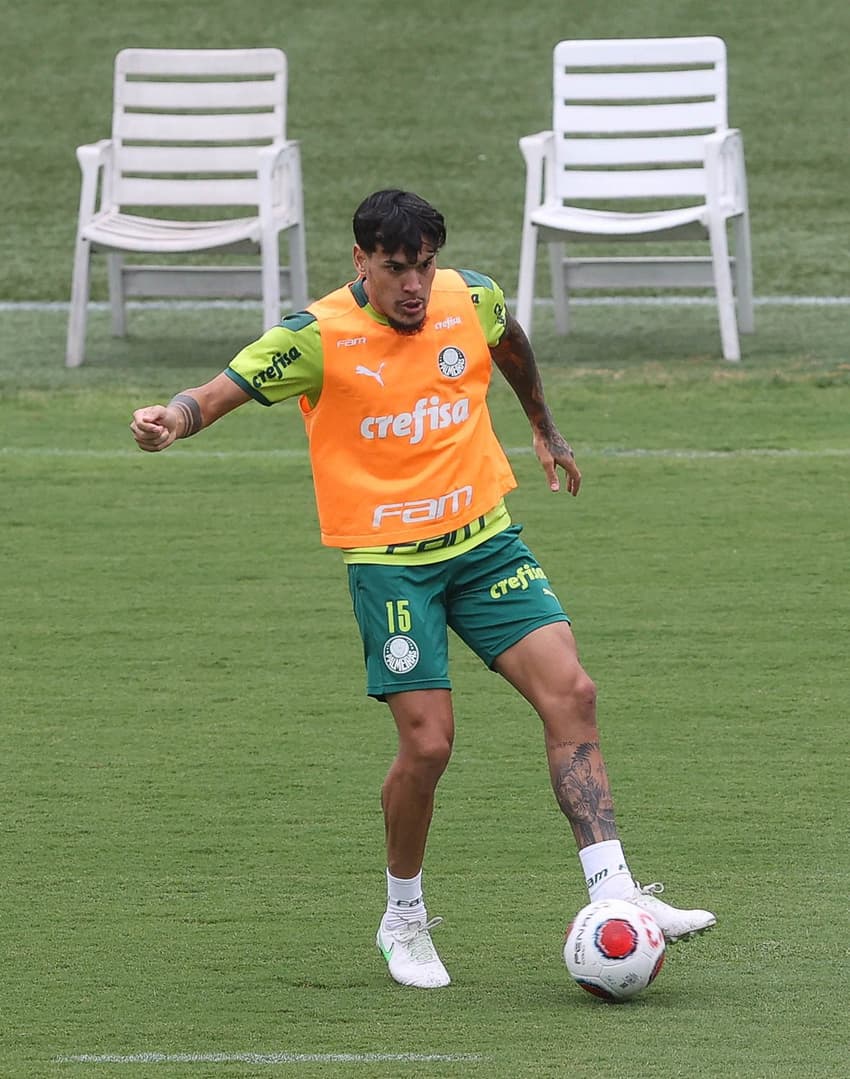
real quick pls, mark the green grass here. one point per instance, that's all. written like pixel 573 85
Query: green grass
pixel 193 841
pixel 435 99
pixel 191 833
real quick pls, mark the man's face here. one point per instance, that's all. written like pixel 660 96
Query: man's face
pixel 398 287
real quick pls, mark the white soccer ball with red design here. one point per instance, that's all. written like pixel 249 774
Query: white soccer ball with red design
pixel 613 949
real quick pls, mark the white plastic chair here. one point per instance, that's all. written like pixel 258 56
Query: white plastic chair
pixel 642 119
pixel 192 129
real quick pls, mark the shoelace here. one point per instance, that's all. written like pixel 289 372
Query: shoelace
pixel 650 889
pixel 417 937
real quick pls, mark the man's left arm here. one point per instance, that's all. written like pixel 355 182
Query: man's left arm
pixel 514 357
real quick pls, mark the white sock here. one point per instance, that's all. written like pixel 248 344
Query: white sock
pixel 404 897
pixel 606 873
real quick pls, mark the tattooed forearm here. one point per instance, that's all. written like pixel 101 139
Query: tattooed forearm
pixel 515 359
pixel 581 787
pixel 190 412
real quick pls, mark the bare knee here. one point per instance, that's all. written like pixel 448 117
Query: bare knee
pixel 545 668
pixel 425 733
pixel 583 695
pixel 570 689
pixel 426 750
pixel 568 709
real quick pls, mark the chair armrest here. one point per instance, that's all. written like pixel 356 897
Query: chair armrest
pixel 94 154
pixel 726 175
pixel 277 153
pixel 93 158
pixel 279 175
pixel 538 151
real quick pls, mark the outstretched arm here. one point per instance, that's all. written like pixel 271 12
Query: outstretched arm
pixel 155 427
pixel 515 359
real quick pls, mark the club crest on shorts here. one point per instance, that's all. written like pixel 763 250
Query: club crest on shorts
pixel 451 361
pixel 401 654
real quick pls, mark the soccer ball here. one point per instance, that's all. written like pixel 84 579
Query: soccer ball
pixel 613 949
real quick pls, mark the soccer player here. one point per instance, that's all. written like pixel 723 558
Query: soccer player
pixel 391 374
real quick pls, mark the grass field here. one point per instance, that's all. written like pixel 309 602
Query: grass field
pixel 192 839
pixel 433 98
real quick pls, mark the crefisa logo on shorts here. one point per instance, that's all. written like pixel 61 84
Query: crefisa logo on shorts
pixel 401 654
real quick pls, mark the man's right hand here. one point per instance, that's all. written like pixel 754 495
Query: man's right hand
pixel 155 427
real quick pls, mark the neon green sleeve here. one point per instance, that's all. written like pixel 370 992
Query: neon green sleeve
pixel 285 362
pixel 489 300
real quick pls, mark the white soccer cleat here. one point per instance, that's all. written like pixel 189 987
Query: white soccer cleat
pixel 410 953
pixel 675 924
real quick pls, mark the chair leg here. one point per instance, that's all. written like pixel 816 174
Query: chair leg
pixel 75 344
pixel 270 255
pixel 527 270
pixel 744 273
pixel 298 267
pixel 115 267
pixel 723 289
pixel 560 299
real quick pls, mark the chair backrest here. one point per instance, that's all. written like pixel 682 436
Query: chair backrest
pixel 187 124
pixel 630 116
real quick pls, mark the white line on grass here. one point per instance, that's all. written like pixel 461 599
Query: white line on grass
pixel 186 454
pixel 267 1058
pixel 62 306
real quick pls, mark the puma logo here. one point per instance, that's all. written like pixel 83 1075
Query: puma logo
pixel 361 370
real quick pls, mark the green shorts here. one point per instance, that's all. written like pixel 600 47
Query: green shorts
pixel 491 596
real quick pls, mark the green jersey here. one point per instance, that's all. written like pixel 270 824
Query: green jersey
pixel 287 361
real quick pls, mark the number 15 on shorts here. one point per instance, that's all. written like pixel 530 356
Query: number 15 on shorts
pixel 398 616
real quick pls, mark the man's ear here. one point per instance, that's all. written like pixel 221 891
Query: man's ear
pixel 359 256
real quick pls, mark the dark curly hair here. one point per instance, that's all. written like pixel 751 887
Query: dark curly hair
pixel 394 219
